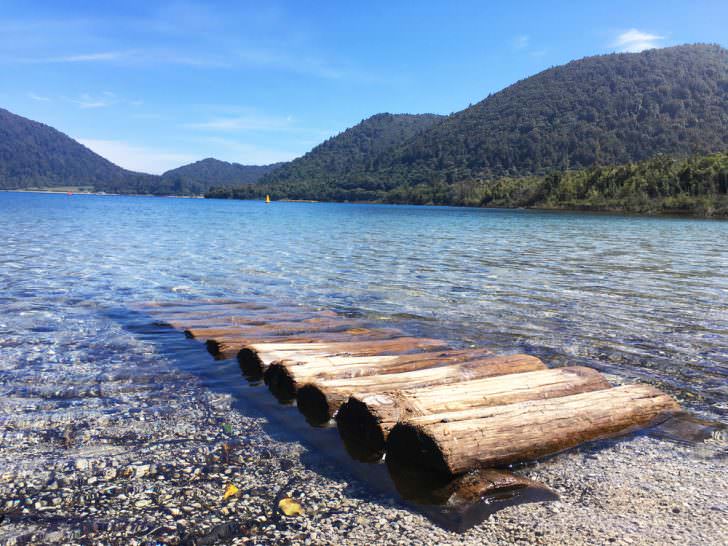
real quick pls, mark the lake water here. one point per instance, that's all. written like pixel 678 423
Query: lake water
pixel 642 298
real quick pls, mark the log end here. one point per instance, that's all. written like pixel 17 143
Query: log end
pixel 410 444
pixel 360 429
pixel 250 364
pixel 314 405
pixel 280 382
pixel 213 347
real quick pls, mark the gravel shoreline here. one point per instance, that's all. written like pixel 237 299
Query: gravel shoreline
pixel 137 451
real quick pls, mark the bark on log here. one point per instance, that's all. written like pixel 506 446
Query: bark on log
pixel 254 358
pixel 367 418
pixel 258 318
pixel 319 400
pixel 484 437
pixel 315 324
pixel 284 377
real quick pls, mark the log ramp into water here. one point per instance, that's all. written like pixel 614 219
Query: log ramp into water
pixel 319 400
pixel 284 377
pixel 443 410
pixel 454 442
pixel 368 416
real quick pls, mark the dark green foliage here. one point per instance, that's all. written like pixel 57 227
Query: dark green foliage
pixel 602 110
pixel 198 177
pixel 33 154
pixel 697 185
pixel 345 158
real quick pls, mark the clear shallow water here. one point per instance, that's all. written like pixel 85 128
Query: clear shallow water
pixel 644 298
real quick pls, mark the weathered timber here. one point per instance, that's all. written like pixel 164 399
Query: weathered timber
pixel 424 487
pixel 254 358
pixel 319 400
pixel 316 324
pixel 196 321
pixel 285 376
pixel 455 442
pixel 367 418
pixel 225 348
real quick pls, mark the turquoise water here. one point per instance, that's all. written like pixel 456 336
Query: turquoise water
pixel 643 298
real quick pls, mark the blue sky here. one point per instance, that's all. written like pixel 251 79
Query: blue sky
pixel 153 85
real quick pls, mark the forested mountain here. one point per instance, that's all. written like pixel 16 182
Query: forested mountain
pixel 355 150
pixel 202 174
pixel 607 109
pixel 34 154
pixel 696 185
pixel 602 110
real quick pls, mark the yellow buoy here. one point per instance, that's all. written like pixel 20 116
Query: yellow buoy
pixel 267 198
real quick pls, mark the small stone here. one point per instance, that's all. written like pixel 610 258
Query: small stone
pixel 81 464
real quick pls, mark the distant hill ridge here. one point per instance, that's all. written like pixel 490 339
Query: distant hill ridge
pixel 213 171
pixel 601 110
pixel 33 154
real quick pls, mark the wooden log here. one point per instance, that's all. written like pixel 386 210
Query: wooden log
pixel 319 400
pixel 428 488
pixel 367 418
pixel 315 324
pixel 194 320
pixel 254 358
pixel 284 377
pixel 454 442
pixel 228 348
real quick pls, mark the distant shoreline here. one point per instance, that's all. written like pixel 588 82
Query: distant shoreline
pixel 604 211
pixel 82 192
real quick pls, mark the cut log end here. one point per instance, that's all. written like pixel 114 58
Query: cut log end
pixel 361 429
pixel 316 405
pixel 280 382
pixel 250 364
pixel 455 442
pixel 213 347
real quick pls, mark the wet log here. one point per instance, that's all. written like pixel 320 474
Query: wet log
pixel 367 418
pixel 455 442
pixel 315 324
pixel 254 358
pixel 284 377
pixel 319 400
pixel 195 320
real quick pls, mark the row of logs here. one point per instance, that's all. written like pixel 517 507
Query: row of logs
pixel 421 402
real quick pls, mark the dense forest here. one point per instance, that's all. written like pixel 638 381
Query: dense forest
pixel 355 150
pixel 550 140
pixel 34 155
pixel 602 110
pixel 598 111
pixel 200 176
pixel 696 185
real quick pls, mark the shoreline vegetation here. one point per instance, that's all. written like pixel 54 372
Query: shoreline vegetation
pixel 694 186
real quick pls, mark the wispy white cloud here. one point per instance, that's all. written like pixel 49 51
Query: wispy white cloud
pixel 634 40
pixel 521 41
pixel 105 99
pixel 87 101
pixel 137 158
pixel 39 98
pixel 243 123
pixel 247 154
pixel 88 57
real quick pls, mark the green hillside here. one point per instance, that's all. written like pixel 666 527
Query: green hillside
pixel 603 110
